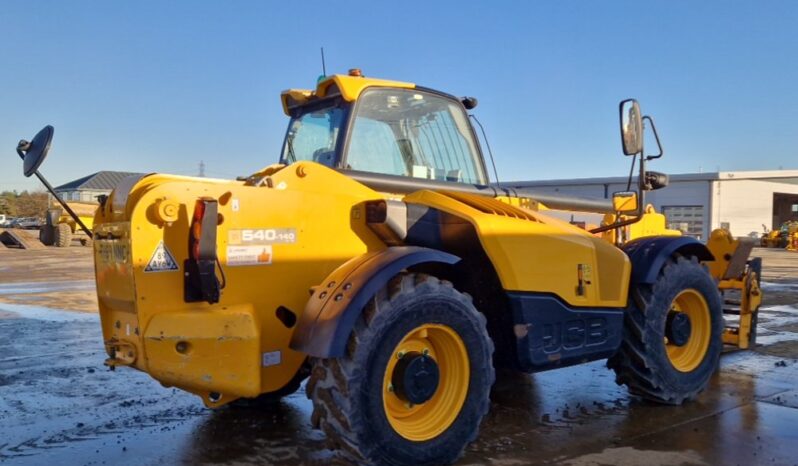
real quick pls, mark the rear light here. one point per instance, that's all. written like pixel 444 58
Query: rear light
pixel 196 229
pixel 201 283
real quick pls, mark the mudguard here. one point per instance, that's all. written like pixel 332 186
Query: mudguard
pixel 331 312
pixel 648 255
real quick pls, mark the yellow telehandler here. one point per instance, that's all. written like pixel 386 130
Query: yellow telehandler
pixel 60 228
pixel 378 261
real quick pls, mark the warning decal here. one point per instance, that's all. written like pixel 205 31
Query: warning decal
pixel 162 260
pixel 249 255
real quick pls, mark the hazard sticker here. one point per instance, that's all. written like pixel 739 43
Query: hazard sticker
pixel 162 260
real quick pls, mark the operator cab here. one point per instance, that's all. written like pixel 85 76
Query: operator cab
pixel 383 127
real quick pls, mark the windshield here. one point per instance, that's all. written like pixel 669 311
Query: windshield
pixel 313 136
pixel 413 133
pixel 403 132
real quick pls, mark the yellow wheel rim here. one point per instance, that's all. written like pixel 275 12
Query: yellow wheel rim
pixel 428 420
pixel 687 357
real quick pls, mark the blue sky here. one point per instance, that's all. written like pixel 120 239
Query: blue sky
pixel 158 86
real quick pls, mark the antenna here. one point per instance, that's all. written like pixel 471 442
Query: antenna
pixel 202 169
pixel 323 65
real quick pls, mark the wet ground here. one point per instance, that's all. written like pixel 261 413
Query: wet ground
pixel 59 404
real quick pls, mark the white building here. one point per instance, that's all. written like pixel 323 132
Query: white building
pixel 697 203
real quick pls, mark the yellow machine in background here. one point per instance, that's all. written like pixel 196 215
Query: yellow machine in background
pixel 60 228
pixel 377 260
pixel 771 238
pixel 786 236
pixel 792 236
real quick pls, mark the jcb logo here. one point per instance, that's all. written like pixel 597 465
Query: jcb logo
pixel 574 334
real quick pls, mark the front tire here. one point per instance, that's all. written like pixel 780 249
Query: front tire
pixel 366 404
pixel 659 359
pixel 63 235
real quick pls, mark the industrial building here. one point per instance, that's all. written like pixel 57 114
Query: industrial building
pixel 744 202
pixel 87 189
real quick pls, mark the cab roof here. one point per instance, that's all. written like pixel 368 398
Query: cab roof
pixel 349 87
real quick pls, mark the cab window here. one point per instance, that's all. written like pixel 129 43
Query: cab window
pixel 413 133
pixel 313 136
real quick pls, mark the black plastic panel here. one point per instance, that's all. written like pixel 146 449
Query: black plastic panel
pixel 549 334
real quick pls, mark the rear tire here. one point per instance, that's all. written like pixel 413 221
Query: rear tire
pixel 652 366
pixel 46 235
pixel 63 235
pixel 366 418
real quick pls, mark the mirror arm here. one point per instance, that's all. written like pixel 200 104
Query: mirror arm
pixel 64 205
pixel 21 148
pixel 656 138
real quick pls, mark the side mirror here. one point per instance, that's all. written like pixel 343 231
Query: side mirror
pixel 631 127
pixel 624 201
pixel 33 153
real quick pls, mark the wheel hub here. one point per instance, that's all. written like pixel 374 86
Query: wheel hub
pixel 415 378
pixel 678 328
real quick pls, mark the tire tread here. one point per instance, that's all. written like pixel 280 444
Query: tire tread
pixel 331 380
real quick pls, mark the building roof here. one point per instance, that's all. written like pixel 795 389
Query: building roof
pixel 778 176
pixel 100 181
